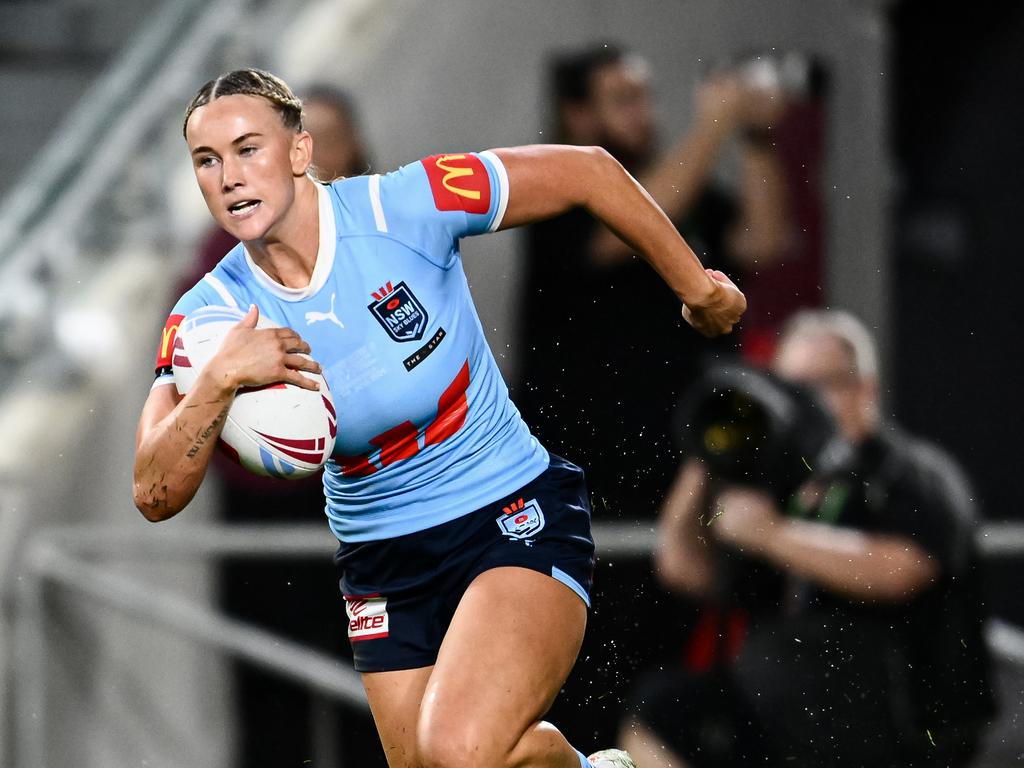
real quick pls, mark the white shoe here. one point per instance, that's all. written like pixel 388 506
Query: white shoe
pixel 611 758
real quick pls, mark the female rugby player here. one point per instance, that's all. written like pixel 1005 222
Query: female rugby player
pixel 465 554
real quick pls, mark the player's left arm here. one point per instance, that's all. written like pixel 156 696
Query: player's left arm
pixel 548 180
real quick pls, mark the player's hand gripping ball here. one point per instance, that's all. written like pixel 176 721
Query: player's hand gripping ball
pixel 278 430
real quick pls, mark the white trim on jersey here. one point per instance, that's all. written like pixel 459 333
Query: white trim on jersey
pixel 378 209
pixel 221 290
pixel 502 189
pixel 324 256
pixel 160 381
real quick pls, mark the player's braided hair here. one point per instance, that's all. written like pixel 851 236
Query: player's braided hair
pixel 251 82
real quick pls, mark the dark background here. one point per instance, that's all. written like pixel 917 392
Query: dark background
pixel 957 122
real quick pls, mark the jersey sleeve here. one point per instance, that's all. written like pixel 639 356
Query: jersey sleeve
pixel 191 301
pixel 433 203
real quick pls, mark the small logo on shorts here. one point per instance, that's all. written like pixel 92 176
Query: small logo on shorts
pixel 367 617
pixel 521 519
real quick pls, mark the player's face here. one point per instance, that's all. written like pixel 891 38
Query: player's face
pixel 825 365
pixel 246 162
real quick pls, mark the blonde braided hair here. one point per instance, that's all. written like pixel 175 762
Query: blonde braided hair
pixel 251 82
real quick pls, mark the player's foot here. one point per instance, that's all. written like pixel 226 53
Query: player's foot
pixel 611 758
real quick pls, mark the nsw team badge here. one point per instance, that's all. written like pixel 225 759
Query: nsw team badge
pixel 399 312
pixel 521 520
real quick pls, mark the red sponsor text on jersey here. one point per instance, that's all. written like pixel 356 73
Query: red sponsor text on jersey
pixel 166 350
pixel 458 183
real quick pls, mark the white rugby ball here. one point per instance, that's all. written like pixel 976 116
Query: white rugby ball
pixel 277 430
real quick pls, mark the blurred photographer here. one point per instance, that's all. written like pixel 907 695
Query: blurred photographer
pixel 871 653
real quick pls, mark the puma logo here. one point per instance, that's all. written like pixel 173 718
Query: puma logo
pixel 316 317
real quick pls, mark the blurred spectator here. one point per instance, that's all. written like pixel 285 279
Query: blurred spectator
pixel 872 653
pixel 779 245
pixel 591 309
pixel 297 598
pixel 338 148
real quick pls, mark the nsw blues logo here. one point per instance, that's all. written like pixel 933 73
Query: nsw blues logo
pixel 399 312
pixel 521 520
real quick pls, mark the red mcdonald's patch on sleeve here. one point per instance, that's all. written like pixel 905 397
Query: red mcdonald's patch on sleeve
pixel 166 350
pixel 458 183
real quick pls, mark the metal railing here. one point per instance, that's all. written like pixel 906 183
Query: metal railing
pixel 64 558
pixel 88 125
pixel 51 238
pixel 55 559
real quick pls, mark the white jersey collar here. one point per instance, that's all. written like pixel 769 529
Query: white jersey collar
pixel 324 256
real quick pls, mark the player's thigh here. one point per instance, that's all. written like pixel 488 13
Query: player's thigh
pixel 395 699
pixel 507 652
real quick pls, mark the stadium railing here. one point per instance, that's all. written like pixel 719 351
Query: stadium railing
pixel 80 559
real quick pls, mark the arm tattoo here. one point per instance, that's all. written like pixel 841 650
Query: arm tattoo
pixel 205 434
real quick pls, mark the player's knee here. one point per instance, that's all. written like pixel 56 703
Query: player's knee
pixel 456 745
pixel 442 751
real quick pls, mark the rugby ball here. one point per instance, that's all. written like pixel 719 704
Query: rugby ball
pixel 277 430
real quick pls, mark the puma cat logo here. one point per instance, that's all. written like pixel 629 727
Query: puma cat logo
pixel 316 317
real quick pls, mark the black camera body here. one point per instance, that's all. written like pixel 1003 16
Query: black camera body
pixel 752 428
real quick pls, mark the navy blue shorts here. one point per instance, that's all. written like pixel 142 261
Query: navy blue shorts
pixel 401 594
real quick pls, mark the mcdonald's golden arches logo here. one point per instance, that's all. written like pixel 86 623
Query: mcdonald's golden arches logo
pixel 459 182
pixel 166 350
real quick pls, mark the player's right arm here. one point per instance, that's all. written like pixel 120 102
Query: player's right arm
pixel 176 435
pixel 546 180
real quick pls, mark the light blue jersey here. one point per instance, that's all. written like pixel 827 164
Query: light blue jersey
pixel 426 430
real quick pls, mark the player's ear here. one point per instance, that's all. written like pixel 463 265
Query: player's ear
pixel 301 154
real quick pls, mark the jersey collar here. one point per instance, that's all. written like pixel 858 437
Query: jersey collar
pixel 324 256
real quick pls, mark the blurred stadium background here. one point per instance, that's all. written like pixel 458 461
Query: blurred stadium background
pixel 112 652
